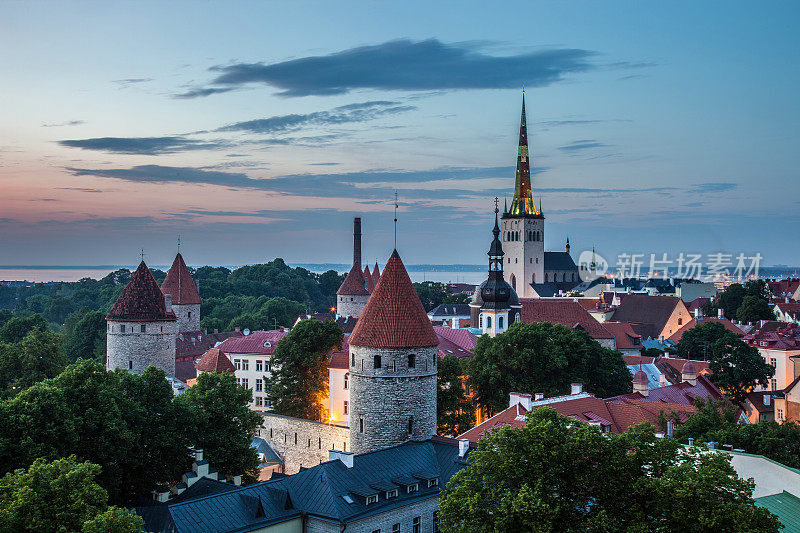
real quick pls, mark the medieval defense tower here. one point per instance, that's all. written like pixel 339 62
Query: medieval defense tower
pixel 393 352
pixel 185 295
pixel 141 327
pixel 354 292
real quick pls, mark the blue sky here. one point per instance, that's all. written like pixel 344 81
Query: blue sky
pixel 258 130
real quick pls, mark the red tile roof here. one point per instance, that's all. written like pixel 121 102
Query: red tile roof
pixel 624 335
pixel 680 393
pixel 341 358
pixel 566 312
pixel 258 343
pixel 141 300
pixel 785 336
pixel 676 337
pixel 394 316
pixel 783 287
pixel 190 345
pixel 460 337
pixel 179 284
pixel 354 284
pixel 214 360
pixel 368 279
pixel 697 303
pixel 376 274
pixel 647 309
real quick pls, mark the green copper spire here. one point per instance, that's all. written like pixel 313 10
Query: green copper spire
pixel 522 204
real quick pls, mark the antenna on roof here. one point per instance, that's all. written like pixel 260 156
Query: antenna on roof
pixel 179 243
pixel 142 254
pixel 395 219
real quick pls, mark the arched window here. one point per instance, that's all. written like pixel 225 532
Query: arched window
pixel 499 322
pixel 513 282
pixel 488 322
pixel 516 317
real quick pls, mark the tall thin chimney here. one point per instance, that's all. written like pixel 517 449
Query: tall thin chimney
pixel 357 241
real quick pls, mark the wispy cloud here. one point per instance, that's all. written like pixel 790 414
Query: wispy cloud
pixel 585 144
pixel 79 189
pixel 199 92
pixel 143 145
pixel 404 65
pixel 714 187
pixel 579 122
pixel 126 82
pixel 359 112
pixel 67 123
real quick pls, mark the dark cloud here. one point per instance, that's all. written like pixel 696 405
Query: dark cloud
pixel 324 164
pixel 79 189
pixel 359 112
pixel 67 123
pixel 143 145
pixel 44 200
pixel 202 92
pixel 406 65
pixel 714 187
pixel 584 144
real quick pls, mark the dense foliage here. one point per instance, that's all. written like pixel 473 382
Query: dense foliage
pixel 299 379
pixel 62 495
pixel 455 411
pixel 746 303
pixel 558 474
pixel 546 358
pixel 432 293
pixel 35 357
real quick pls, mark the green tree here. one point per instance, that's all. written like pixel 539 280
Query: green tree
pixel 736 368
pixel 697 343
pixel 86 337
pixel 558 474
pixel 455 412
pixel 546 358
pixel 222 424
pixel 730 299
pixel 36 357
pixel 299 378
pixel 15 329
pixel 59 496
pixel 754 309
pixel 273 312
pixel 431 293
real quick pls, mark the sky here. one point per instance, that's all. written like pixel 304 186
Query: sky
pixel 257 130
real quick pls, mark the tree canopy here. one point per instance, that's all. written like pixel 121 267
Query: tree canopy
pixel 35 357
pixel 546 358
pixel 734 295
pixel 558 474
pixel 455 412
pixel 299 380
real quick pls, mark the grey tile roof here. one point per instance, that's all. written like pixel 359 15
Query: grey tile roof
pixel 559 261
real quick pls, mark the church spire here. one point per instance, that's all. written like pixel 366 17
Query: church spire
pixel 522 204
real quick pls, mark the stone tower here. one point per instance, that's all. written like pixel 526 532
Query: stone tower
pixel 185 296
pixel 497 302
pixel 523 226
pixel 393 356
pixel 353 294
pixel 141 327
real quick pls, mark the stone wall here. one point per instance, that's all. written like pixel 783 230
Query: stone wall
pixel 188 316
pixel 385 401
pixel 347 305
pixel 302 442
pixel 134 350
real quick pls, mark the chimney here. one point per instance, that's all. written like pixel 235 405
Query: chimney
pixel 689 373
pixel 576 388
pixel 463 447
pixel 345 457
pixel 357 241
pixel 236 479
pixel 720 313
pixel 161 495
pixel 524 400
pixel 168 302
pixel 641 384
pixel 198 454
pixel 539 396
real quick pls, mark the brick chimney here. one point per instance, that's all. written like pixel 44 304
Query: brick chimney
pixel 357 241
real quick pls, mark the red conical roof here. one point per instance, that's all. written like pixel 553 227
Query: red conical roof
pixel 376 274
pixel 141 299
pixel 394 316
pixel 215 360
pixel 354 284
pixel 179 284
pixel 368 278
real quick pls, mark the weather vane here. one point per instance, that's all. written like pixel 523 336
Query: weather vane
pixel 496 200
pixel 142 254
pixel 179 243
pixel 395 219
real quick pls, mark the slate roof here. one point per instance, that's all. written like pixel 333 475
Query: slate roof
pixel 215 360
pixel 676 337
pixel 257 343
pixel 262 447
pixel 179 284
pixel 559 261
pixel 141 300
pixel 448 310
pixel 394 316
pixel 316 491
pixel 354 284
pixel 647 309
pixel 566 312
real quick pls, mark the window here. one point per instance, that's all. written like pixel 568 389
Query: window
pixel 516 317
pixel 245 364
pixel 412 360
pixel 237 363
pixel 376 363
pixel 295 439
pixel 680 321
pixel 361 425
pixel 488 322
pixel 774 384
pixel 122 328
pixel 245 384
pixel 346 381
pixel 396 528
pixel 433 482
pixel 773 362
pixel 353 360
pixel 259 401
pixel 480 322
pixel 267 366
pixel 391 494
pixel 130 365
pixel 416 527
pixel 500 322
pixel 413 488
pixel 259 365
pixel 259 385
pixel 373 499
pixel 143 328
pixel 346 409
pixel 238 381
pixel 266 403
pixel 377 531
pixel 780 414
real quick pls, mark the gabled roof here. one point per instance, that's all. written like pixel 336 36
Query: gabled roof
pixel 215 360
pixel 681 393
pixel 180 285
pixel 447 310
pixel 624 335
pixel 141 300
pixel 566 312
pixel 559 261
pixel 394 316
pixel 341 358
pixel 647 309
pixel 354 284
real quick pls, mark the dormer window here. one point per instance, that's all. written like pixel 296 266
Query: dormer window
pixel 433 482
pixel 372 499
pixel 412 488
pixel 391 494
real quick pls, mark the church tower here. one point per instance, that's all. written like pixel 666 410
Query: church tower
pixel 393 356
pixel 185 296
pixel 498 301
pixel 523 226
pixel 141 327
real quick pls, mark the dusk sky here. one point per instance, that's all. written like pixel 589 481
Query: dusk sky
pixel 258 130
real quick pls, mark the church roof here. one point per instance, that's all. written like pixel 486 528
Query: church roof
pixel 179 284
pixel 354 284
pixel 141 300
pixel 214 360
pixel 559 261
pixel 522 204
pixel 394 316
